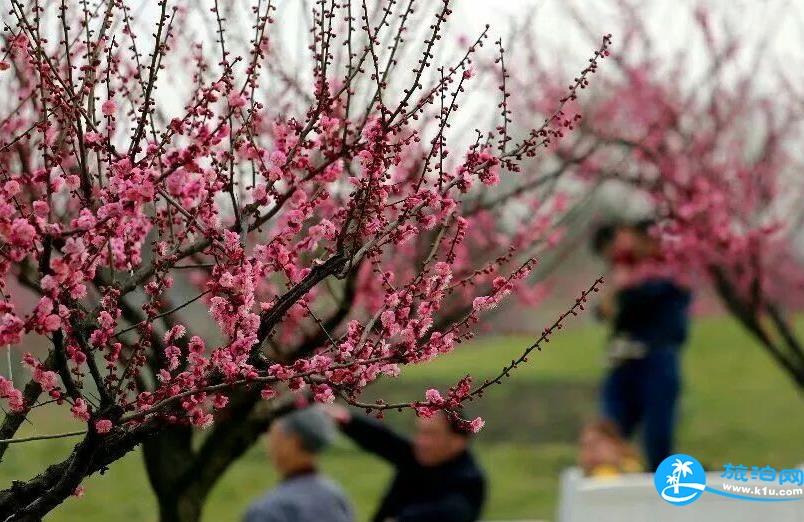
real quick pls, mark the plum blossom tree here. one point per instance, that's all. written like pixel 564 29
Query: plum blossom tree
pixel 325 216
pixel 716 155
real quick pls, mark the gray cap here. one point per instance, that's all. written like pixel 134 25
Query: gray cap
pixel 312 425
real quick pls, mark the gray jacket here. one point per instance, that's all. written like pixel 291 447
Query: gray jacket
pixel 305 498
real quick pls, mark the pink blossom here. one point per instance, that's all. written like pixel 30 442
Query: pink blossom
pixel 11 326
pixel 480 304
pixel 236 100
pixel 476 424
pixel 423 410
pixel 433 396
pixel 220 401
pixel 93 138
pixel 20 41
pixel 22 233
pixel 41 208
pixel 176 332
pixel 51 323
pixel 106 320
pixel 12 395
pixel 443 269
pixel 108 108
pixel 80 410
pixel 278 157
pixel 388 319
pixel 103 426
pixel 323 394
pixel 12 188
pixel 47 379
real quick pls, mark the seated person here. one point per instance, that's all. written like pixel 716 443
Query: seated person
pixel 304 495
pixel 436 479
pixel 604 453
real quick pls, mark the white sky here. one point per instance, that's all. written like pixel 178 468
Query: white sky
pixel 669 21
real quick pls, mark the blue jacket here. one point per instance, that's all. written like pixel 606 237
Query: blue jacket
pixel 654 312
pixel 309 497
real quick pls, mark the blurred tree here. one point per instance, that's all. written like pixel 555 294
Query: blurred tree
pixel 716 155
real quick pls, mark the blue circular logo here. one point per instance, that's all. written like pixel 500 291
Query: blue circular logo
pixel 680 479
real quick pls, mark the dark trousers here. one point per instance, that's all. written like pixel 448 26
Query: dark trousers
pixel 645 392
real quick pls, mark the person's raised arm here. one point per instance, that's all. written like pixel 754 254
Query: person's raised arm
pixel 372 436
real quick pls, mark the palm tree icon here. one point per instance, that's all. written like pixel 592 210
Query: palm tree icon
pixel 673 480
pixel 680 470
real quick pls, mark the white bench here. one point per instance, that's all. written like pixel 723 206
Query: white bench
pixel 633 497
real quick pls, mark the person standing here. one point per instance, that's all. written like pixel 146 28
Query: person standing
pixel 649 313
pixel 436 477
pixel 304 494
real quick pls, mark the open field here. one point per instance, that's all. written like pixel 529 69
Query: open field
pixel 737 407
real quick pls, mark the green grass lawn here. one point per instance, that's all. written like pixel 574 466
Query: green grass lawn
pixel 737 407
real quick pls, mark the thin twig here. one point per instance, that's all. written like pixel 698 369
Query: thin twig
pixel 43 437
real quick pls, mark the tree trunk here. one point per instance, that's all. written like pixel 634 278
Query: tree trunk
pixel 186 507
pixel 167 457
pixel 785 349
pixel 182 477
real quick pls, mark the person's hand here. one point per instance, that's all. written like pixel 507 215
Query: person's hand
pixel 340 414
